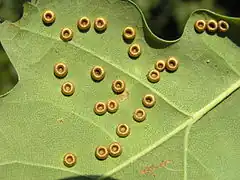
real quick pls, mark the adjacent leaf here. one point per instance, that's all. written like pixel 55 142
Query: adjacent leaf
pixel 11 9
pixel 161 15
pixel 188 134
pixel 8 76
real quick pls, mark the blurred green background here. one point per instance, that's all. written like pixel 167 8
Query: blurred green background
pixel 166 18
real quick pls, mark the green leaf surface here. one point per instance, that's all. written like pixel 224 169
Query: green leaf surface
pixel 192 129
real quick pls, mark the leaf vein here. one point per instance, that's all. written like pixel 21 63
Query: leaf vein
pixel 39 165
pixel 185 152
pixel 72 112
pixel 203 165
pixel 198 115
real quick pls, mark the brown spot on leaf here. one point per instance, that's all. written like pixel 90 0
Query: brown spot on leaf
pixel 60 121
pixel 122 97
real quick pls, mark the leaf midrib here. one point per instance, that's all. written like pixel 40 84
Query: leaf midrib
pixel 196 116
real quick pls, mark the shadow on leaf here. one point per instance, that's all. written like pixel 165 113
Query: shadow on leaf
pixel 8 74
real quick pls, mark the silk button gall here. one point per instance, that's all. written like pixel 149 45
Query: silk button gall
pixel 60 70
pixel 139 115
pixel 212 26
pixel 48 17
pixel 66 34
pixel 112 106
pixel 160 65
pixel 97 73
pixel 148 100
pixel 68 89
pixel 69 160
pixel 118 86
pixel 101 152
pixel 84 24
pixel 200 26
pixel 134 51
pixel 223 26
pixel 172 64
pixel 153 76
pixel 100 108
pixel 100 24
pixel 123 130
pixel 129 34
pixel 115 149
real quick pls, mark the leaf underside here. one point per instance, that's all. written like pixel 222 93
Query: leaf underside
pixel 194 124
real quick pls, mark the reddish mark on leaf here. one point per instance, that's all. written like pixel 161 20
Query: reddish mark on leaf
pixel 150 169
pixel 164 163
